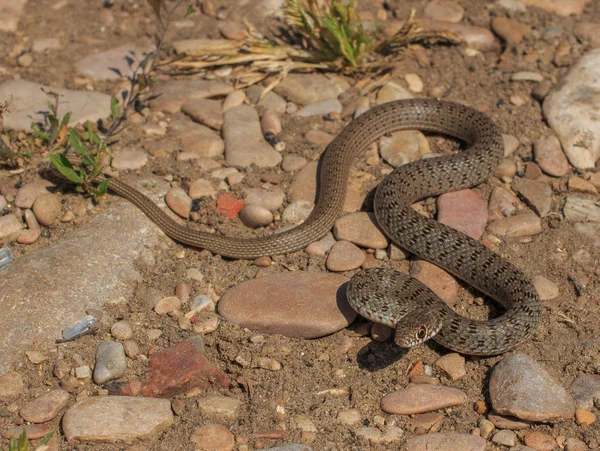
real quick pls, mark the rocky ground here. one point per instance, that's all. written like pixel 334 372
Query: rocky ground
pixel 187 350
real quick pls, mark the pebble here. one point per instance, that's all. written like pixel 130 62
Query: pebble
pixel 293 163
pixel 403 147
pixel 584 417
pixel 111 362
pixel 299 304
pixel 588 31
pixel 445 441
pixel 453 365
pixel 511 30
pixel 232 30
pixel 254 216
pixel 167 305
pixel 502 422
pixel 415 83
pixel 548 154
pixel 579 209
pixel 321 247
pixel 506 170
pixel 524 224
pixel 540 441
pixel 546 289
pixel 560 7
pixel 235 98
pixel 502 204
pixel 47 208
pixel 344 256
pixel 213 437
pixel 511 143
pixel 205 111
pixel 271 199
pixel 486 427
pixel 178 201
pixel 93 419
pixel 392 91
pixel 244 142
pixel 527 76
pixel 506 438
pixel 36 357
pixel 201 141
pixel 374 435
pixel 520 387
pixel 463 210
pixel 202 303
pixel 305 89
pixel 220 407
pixel 270 123
pixel 28 193
pixel 25 60
pixel 427 422
pixel 174 93
pixel 131 348
pixel 422 398
pixel 574 444
pixel 436 279
pixel 349 417
pixel 129 159
pixel 318 137
pixel 297 211
pixel 360 228
pixel 321 108
pixel 34 431
pixel 572 116
pixel 41 45
pixel 45 407
pixel 447 10
pixel 578 184
pixel 201 188
pixel 10 228
pixel 585 389
pixel 538 195
pixel 11 386
pixel 194 274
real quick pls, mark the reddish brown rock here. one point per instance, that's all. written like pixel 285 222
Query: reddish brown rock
pixel 463 210
pixel 422 398
pixel 11 386
pixel 446 441
pixel 34 431
pixel 438 280
pixel 229 206
pixel 45 407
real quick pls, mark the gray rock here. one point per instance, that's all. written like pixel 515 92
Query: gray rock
pixel 586 390
pixel 271 199
pixel 31 104
pixel 10 12
pixel 113 64
pixel 129 159
pixel 41 45
pixel 581 209
pixel 403 147
pixel 244 142
pixel 321 108
pixel 111 362
pixel 549 156
pixel 445 441
pixel 110 243
pixel 520 387
pixel 571 111
pixel 10 228
pixel 94 419
pixel 538 195
pixel 174 93
pixel 305 89
pixel 297 211
pixel 254 216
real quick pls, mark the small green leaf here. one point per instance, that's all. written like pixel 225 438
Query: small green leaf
pixel 65 120
pixel 114 108
pixel 76 142
pixel 64 166
pixel 102 187
pixel 190 10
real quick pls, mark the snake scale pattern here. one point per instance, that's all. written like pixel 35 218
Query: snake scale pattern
pixel 387 296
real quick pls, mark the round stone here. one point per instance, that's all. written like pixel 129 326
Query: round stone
pixel 47 208
pixel 254 216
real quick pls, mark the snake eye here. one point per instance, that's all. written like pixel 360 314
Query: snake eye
pixel 421 333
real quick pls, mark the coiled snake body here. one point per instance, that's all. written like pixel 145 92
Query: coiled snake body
pixel 380 295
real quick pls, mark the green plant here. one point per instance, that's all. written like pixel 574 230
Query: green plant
pixel 333 27
pixel 22 444
pixel 85 169
pixel 53 132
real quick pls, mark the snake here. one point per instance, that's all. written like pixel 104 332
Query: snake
pixel 386 296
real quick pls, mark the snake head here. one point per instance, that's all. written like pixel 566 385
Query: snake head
pixel 416 327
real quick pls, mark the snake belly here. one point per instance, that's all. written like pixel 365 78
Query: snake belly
pixel 447 248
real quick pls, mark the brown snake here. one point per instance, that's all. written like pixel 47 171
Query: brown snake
pixel 380 295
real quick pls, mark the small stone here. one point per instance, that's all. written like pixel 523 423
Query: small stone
pixel 392 91
pixel 349 417
pixel 422 398
pixel 506 170
pixel 25 60
pixel 415 84
pixel 93 419
pixel 207 326
pixel 111 362
pixel 131 348
pixel 232 30
pixel 516 100
pixel 502 422
pixel 167 305
pixel 525 224
pixel 270 123
pixel 321 108
pixel 511 30
pixel 520 387
pixel 585 389
pixel 453 365
pixel 527 76
pixel 532 171
pixel 574 444
pixel 506 438
pixel 297 211
pixel 511 143
pixel 29 236
pixel 11 386
pixel 201 188
pixel 344 256
pixel 318 137
pixel 36 357
pixel 578 184
pixel 502 204
pixel 546 289
pixel 485 428
pixel 129 160
pixel 213 437
pixel 305 89
pixel 28 193
pixel 205 111
pixel 550 157
pixel 83 372
pixel 267 363
pixel 228 206
pixel 10 228
pixel 540 441
pixel 221 407
pixel 447 10
pixel 254 216
pixel 321 247
pixel 438 280
pixel 178 201
pixel 235 98
pixel 34 431
pixel 403 147
pixel 538 195
pixel 427 422
pixel 122 330
pixel 463 210
pixel 293 163
pixel 360 228
pixel 271 199
pixel 46 407
pixel 46 208
pixel 446 441
pixel 579 209
pixel 584 417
